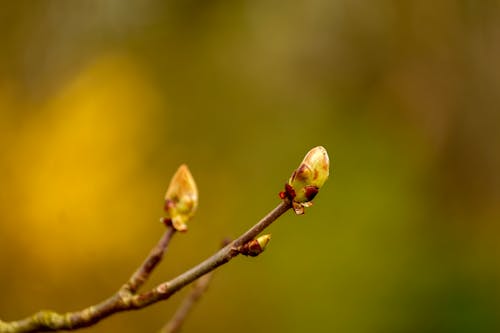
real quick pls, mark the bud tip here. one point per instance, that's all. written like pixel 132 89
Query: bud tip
pixel 263 241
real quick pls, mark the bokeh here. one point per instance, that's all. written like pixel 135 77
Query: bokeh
pixel 101 100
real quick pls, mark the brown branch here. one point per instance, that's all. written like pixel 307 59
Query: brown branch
pixel 124 300
pixel 142 273
pixel 199 287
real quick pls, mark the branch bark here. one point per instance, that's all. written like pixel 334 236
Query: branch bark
pixel 142 273
pixel 125 299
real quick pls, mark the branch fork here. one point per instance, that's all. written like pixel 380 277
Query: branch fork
pixel 181 202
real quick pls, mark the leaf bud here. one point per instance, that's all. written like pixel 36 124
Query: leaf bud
pixel 307 179
pixel 256 246
pixel 181 199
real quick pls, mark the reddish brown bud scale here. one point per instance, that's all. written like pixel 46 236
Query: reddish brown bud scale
pixel 291 192
pixel 251 248
pixel 166 221
pixel 310 192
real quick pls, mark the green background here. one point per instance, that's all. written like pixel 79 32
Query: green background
pixel 100 101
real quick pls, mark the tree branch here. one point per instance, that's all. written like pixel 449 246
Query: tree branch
pixel 125 299
pixel 199 287
pixel 142 273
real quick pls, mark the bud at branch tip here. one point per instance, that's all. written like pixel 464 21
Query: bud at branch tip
pixel 307 179
pixel 181 199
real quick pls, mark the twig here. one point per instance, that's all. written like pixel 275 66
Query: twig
pixel 142 273
pixel 124 300
pixel 199 287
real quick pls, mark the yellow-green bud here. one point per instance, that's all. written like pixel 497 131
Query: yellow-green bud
pixel 256 246
pixel 307 179
pixel 263 241
pixel 181 199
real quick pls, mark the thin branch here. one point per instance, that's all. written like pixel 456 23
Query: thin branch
pixel 136 280
pixel 142 273
pixel 199 287
pixel 124 300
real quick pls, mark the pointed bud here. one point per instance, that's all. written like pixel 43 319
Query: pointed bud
pixel 256 246
pixel 181 199
pixel 263 241
pixel 307 179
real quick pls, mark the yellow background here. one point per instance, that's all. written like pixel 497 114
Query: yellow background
pixel 100 101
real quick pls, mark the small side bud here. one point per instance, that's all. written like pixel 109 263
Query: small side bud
pixel 263 241
pixel 256 246
pixel 307 179
pixel 181 199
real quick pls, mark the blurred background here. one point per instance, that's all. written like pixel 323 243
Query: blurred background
pixel 102 100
